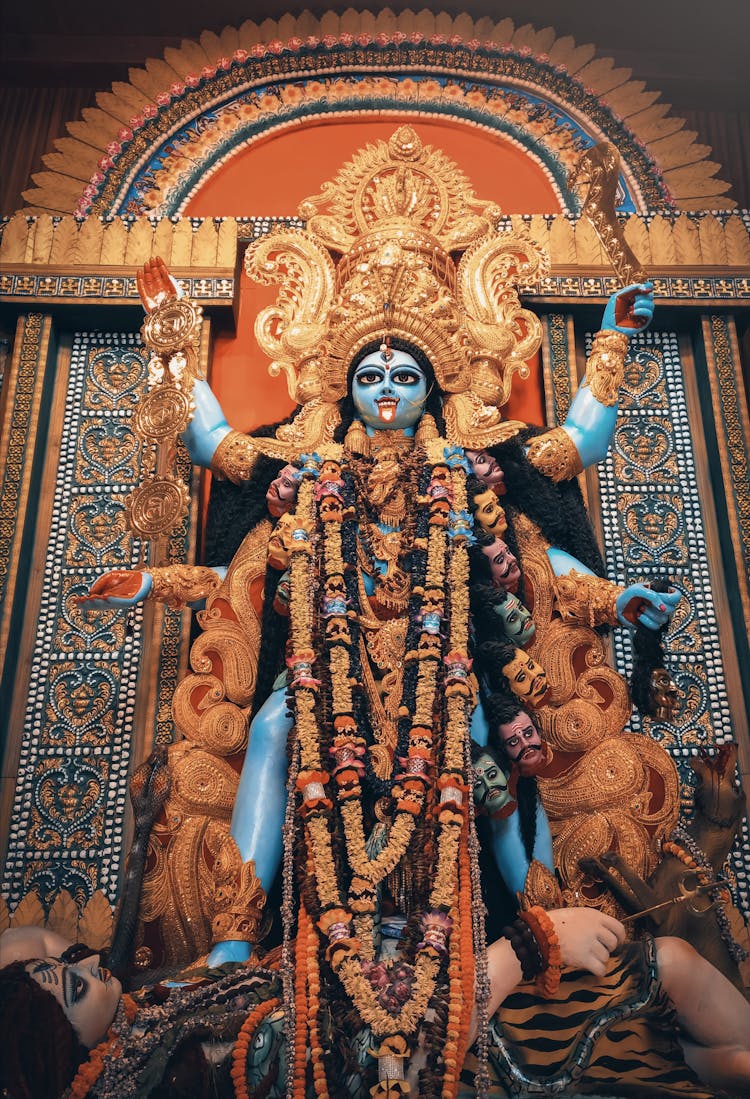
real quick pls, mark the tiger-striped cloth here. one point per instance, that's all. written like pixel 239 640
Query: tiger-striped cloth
pixel 609 1036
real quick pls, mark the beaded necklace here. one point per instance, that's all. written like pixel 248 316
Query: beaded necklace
pixel 683 847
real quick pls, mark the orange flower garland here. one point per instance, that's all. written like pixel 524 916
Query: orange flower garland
pixel 241 1046
pixel 448 928
pixel 548 981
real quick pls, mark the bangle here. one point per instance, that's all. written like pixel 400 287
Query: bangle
pixel 548 943
pixel 525 948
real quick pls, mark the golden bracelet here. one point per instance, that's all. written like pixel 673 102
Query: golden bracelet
pixel 555 455
pixel 234 458
pixel 588 600
pixel 178 585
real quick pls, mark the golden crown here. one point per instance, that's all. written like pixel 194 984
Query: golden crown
pixel 398 244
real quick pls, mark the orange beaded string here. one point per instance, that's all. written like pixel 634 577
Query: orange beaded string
pixel 548 981
pixel 313 988
pixel 241 1046
pixel 300 1002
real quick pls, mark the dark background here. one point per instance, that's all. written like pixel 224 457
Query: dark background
pixel 54 57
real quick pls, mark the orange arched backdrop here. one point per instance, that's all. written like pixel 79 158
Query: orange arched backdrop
pixel 271 176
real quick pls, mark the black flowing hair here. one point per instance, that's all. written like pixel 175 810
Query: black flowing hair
pixel 557 509
pixel 235 510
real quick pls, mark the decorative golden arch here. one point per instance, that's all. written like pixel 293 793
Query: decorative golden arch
pixel 205 100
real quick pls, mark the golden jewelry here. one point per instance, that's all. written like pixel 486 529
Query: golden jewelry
pixel 378 257
pixel 555 455
pixel 234 458
pixel 585 599
pixel 239 898
pixel 177 585
pixel 605 366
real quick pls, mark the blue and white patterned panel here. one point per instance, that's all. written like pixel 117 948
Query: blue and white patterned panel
pixel 653 526
pixel 67 824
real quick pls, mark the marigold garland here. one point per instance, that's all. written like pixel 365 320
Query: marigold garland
pixel 548 981
pixel 334 758
pixel 239 1053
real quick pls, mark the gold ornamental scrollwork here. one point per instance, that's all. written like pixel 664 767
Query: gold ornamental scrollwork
pixel 171 332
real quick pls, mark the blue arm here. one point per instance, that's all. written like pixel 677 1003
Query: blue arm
pixel 260 805
pixel 636 605
pixel 590 423
pixel 591 426
pixel 510 854
pixel 207 427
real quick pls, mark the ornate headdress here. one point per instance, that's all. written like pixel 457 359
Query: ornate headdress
pixel 397 244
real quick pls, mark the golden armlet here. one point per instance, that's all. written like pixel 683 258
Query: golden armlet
pixel 234 458
pixel 588 600
pixel 179 585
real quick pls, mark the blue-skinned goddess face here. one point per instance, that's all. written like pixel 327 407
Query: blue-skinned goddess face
pixel 389 390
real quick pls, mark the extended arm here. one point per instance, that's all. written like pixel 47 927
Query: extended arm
pixel 177 585
pixel 584 437
pixel 587 599
pixel 210 441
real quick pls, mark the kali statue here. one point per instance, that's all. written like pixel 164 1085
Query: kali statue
pixel 399 702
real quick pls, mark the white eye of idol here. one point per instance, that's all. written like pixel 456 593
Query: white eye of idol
pixel 404 369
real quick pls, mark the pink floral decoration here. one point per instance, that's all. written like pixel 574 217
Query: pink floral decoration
pixel 163 99
pixel 114 148
pixel 125 134
pixel 311 41
pixel 276 46
pixel 177 88
pixel 192 80
pixel 224 63
pixel 346 39
pixel 208 71
pixel 150 111
pixel 329 41
pixel 294 43
pixel 240 55
pixel 258 50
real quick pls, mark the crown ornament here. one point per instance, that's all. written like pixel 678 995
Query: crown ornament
pixel 398 245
